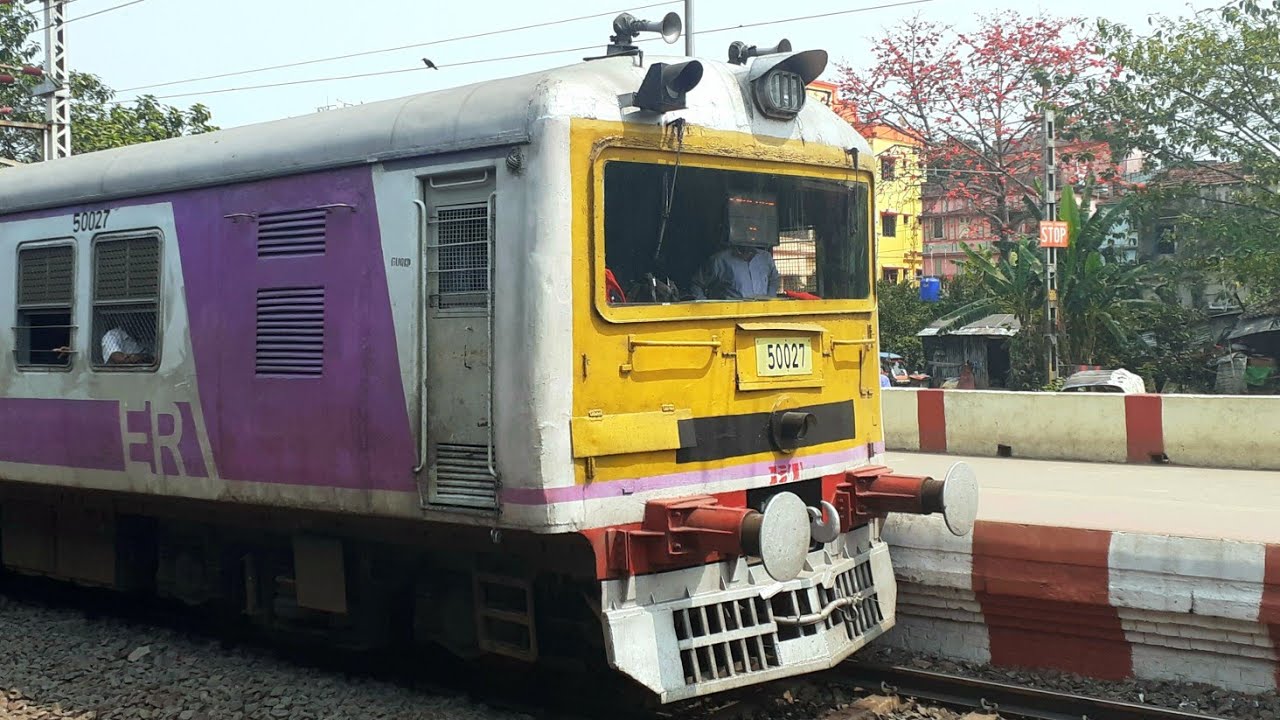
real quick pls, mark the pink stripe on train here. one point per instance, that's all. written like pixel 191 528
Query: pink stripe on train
pixel 689 479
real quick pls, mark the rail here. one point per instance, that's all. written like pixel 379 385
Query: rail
pixel 1009 701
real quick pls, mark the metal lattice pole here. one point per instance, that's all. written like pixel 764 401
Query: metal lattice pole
pixel 1051 253
pixel 56 87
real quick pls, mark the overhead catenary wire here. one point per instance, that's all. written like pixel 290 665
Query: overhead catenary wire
pixel 379 51
pixel 520 56
pixel 92 14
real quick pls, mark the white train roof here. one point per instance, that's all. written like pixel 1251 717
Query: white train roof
pixel 487 114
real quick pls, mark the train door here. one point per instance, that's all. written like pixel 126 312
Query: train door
pixel 459 469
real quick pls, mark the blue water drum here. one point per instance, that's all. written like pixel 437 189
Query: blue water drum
pixel 930 289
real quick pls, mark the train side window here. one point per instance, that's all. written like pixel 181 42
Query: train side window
pixel 46 290
pixel 126 301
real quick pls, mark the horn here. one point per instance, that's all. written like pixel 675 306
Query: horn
pixel 626 25
pixel 740 52
pixel 783 46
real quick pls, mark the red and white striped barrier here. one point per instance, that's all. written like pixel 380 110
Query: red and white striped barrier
pixel 1107 605
pixel 1225 431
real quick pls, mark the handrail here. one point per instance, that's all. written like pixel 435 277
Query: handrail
pixel 866 341
pixel 420 341
pixel 489 299
pixel 633 343
pixel 484 177
pixel 864 346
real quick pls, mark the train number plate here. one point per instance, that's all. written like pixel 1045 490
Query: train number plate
pixel 784 356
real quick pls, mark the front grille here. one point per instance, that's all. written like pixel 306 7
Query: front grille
pixel 858 616
pixel 861 616
pixel 726 639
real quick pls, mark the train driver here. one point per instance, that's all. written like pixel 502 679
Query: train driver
pixel 745 269
pixel 738 272
pixel 119 348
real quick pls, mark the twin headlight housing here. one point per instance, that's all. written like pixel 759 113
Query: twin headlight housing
pixel 777 82
pixel 779 94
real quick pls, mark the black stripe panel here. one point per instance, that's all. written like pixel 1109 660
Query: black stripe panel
pixel 716 438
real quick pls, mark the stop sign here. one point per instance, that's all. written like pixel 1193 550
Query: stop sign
pixel 1053 234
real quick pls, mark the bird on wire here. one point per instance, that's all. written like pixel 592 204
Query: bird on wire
pixel 429 64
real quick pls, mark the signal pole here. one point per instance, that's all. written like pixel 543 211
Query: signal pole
pixel 1051 253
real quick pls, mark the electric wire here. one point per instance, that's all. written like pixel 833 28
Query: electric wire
pixel 520 56
pixel 92 14
pixel 379 51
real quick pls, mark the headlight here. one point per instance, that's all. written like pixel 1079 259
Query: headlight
pixel 780 94
pixel 778 81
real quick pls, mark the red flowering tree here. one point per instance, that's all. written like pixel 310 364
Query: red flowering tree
pixel 975 102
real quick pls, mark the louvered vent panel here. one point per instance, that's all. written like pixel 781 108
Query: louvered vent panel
pixel 45 276
pixel 290 331
pixel 127 270
pixel 293 233
pixel 462 477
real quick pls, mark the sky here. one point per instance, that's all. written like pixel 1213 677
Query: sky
pixel 159 41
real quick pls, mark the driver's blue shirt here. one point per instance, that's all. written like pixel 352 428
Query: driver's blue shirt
pixel 727 276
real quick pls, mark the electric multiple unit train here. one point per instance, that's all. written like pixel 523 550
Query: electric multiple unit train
pixel 580 363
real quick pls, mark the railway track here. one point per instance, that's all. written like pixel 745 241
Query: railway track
pixel 562 693
pixel 1009 701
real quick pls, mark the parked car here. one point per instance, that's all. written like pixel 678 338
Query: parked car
pixel 1108 381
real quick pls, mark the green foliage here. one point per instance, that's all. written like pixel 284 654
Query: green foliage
pixel 1196 93
pixel 902 315
pixel 1093 293
pixel 1009 281
pixel 97 122
pixel 1170 352
pixel 1098 298
pixel 1054 385
pixel 1006 282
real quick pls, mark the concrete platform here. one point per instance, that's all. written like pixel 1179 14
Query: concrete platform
pixel 1241 505
pixel 1110 571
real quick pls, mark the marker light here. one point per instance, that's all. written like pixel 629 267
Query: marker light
pixel 665 85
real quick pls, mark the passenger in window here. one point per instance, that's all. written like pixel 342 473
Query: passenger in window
pixel 738 272
pixel 119 348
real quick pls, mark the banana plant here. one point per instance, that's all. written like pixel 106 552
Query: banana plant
pixel 1094 291
pixel 1012 282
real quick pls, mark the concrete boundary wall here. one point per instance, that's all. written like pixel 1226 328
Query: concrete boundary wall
pixel 1108 605
pixel 1223 431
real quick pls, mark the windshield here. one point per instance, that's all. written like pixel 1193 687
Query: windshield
pixel 693 234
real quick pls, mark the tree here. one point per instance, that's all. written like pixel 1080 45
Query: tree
pixel 97 121
pixel 1202 94
pixel 975 101
pixel 902 315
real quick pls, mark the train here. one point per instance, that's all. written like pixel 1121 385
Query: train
pixel 577 366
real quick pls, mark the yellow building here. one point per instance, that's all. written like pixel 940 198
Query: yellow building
pixel 898 205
